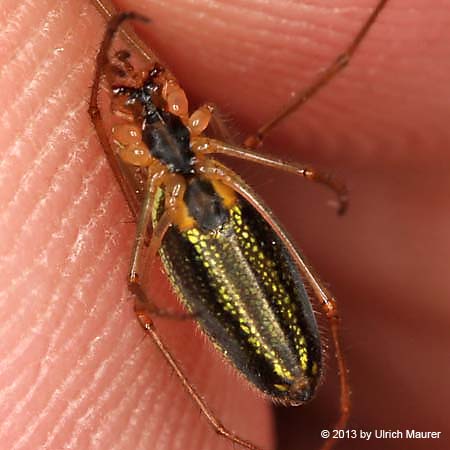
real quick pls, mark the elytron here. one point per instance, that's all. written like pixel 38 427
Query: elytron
pixel 232 265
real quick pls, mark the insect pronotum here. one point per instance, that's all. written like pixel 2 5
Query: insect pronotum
pixel 228 258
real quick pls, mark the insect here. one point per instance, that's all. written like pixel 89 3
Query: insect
pixel 229 260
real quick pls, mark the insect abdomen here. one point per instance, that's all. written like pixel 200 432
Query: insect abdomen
pixel 249 298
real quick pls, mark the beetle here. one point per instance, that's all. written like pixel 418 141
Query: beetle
pixel 229 260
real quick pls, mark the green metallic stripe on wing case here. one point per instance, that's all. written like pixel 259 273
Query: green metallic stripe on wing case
pixel 264 269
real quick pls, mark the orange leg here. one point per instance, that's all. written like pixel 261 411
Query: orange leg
pixel 204 145
pixel 215 170
pixel 141 250
pixel 217 124
pixel 120 172
pixel 148 326
pixel 301 97
pixel 174 187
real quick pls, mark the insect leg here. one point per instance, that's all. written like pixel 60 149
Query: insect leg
pixel 205 145
pixel 142 228
pixel 214 121
pixel 102 62
pixel 174 188
pixel 220 429
pixel 108 11
pixel 139 254
pixel 214 169
pixel 159 231
pixel 301 97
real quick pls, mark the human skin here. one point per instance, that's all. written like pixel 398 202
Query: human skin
pixel 75 371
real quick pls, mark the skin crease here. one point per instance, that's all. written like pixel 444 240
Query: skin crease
pixel 74 369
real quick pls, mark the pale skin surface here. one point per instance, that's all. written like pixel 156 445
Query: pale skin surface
pixel 74 372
